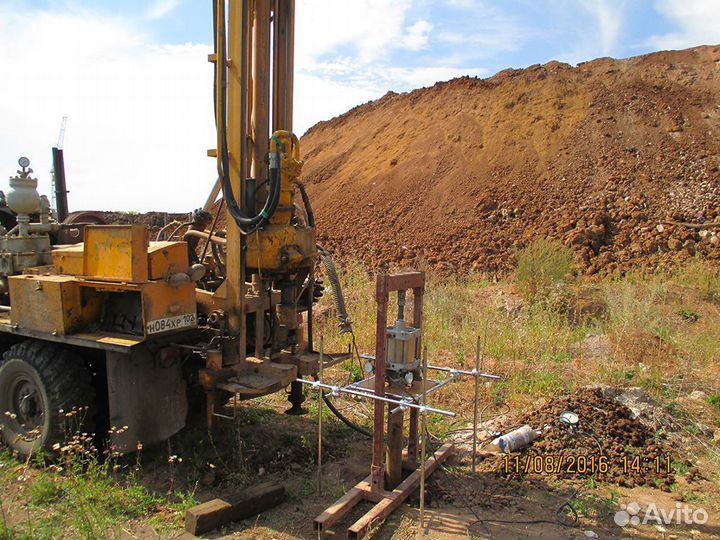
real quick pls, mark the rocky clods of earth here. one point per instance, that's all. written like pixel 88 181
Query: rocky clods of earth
pixel 618 159
pixel 611 442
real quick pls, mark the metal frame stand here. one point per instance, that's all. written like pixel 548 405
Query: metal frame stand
pixel 385 486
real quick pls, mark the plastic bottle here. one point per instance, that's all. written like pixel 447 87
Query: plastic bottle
pixel 516 439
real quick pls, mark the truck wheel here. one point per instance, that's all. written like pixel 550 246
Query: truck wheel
pixel 40 384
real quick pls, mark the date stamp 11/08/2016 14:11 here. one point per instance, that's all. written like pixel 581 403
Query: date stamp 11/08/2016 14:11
pixel 583 464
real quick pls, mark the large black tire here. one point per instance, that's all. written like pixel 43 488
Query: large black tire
pixel 38 380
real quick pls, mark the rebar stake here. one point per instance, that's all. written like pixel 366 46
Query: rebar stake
pixel 475 405
pixel 423 442
pixel 320 409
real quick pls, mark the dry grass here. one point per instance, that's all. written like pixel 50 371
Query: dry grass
pixel 657 331
pixel 541 265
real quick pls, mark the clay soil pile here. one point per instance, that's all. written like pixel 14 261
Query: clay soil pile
pixel 613 157
pixel 636 454
pixel 608 444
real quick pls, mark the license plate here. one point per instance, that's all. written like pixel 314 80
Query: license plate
pixel 171 323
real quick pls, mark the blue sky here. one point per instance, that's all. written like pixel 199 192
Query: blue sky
pixel 133 79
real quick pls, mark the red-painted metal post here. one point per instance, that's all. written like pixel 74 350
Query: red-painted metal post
pixel 377 470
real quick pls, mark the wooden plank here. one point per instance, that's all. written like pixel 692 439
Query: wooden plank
pixel 373 518
pixel 339 508
pixel 387 506
pixel 213 514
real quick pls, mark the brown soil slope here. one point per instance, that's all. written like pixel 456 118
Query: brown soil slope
pixel 460 175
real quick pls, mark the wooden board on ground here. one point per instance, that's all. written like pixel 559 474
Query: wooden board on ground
pixel 217 512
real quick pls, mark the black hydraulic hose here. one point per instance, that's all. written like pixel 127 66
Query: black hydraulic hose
pixel 244 222
pixel 344 419
pixel 308 207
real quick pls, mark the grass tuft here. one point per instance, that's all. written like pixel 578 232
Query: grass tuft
pixel 542 265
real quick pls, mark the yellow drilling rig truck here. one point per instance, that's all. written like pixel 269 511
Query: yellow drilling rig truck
pixel 101 324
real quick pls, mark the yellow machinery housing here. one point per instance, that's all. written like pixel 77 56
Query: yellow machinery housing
pixel 228 309
pixel 284 244
pixel 114 262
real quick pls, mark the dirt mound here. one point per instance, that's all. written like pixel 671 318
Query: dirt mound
pixel 608 443
pixel 154 221
pixel 612 157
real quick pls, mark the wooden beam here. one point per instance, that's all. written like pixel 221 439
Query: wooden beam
pixel 412 448
pixel 216 513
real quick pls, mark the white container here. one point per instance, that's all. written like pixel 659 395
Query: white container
pixel 23 197
pixel 516 439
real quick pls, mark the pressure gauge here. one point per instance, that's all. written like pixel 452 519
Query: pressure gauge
pixel 24 162
pixel 569 418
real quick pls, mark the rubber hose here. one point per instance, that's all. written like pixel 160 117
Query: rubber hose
pixel 218 259
pixel 344 419
pixel 161 232
pixel 273 199
pixel 331 271
pixel 308 208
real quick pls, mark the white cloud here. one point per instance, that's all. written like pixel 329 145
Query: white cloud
pixel 140 115
pixel 345 55
pixel 368 28
pixel 462 3
pixel 320 97
pixel 159 8
pixel 609 19
pixel 417 35
pixel 599 38
pixel 698 22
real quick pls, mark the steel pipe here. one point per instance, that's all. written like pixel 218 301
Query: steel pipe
pixel 335 390
pixel 426 392
pixel 473 373
pixel 205 236
pixel 452 371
